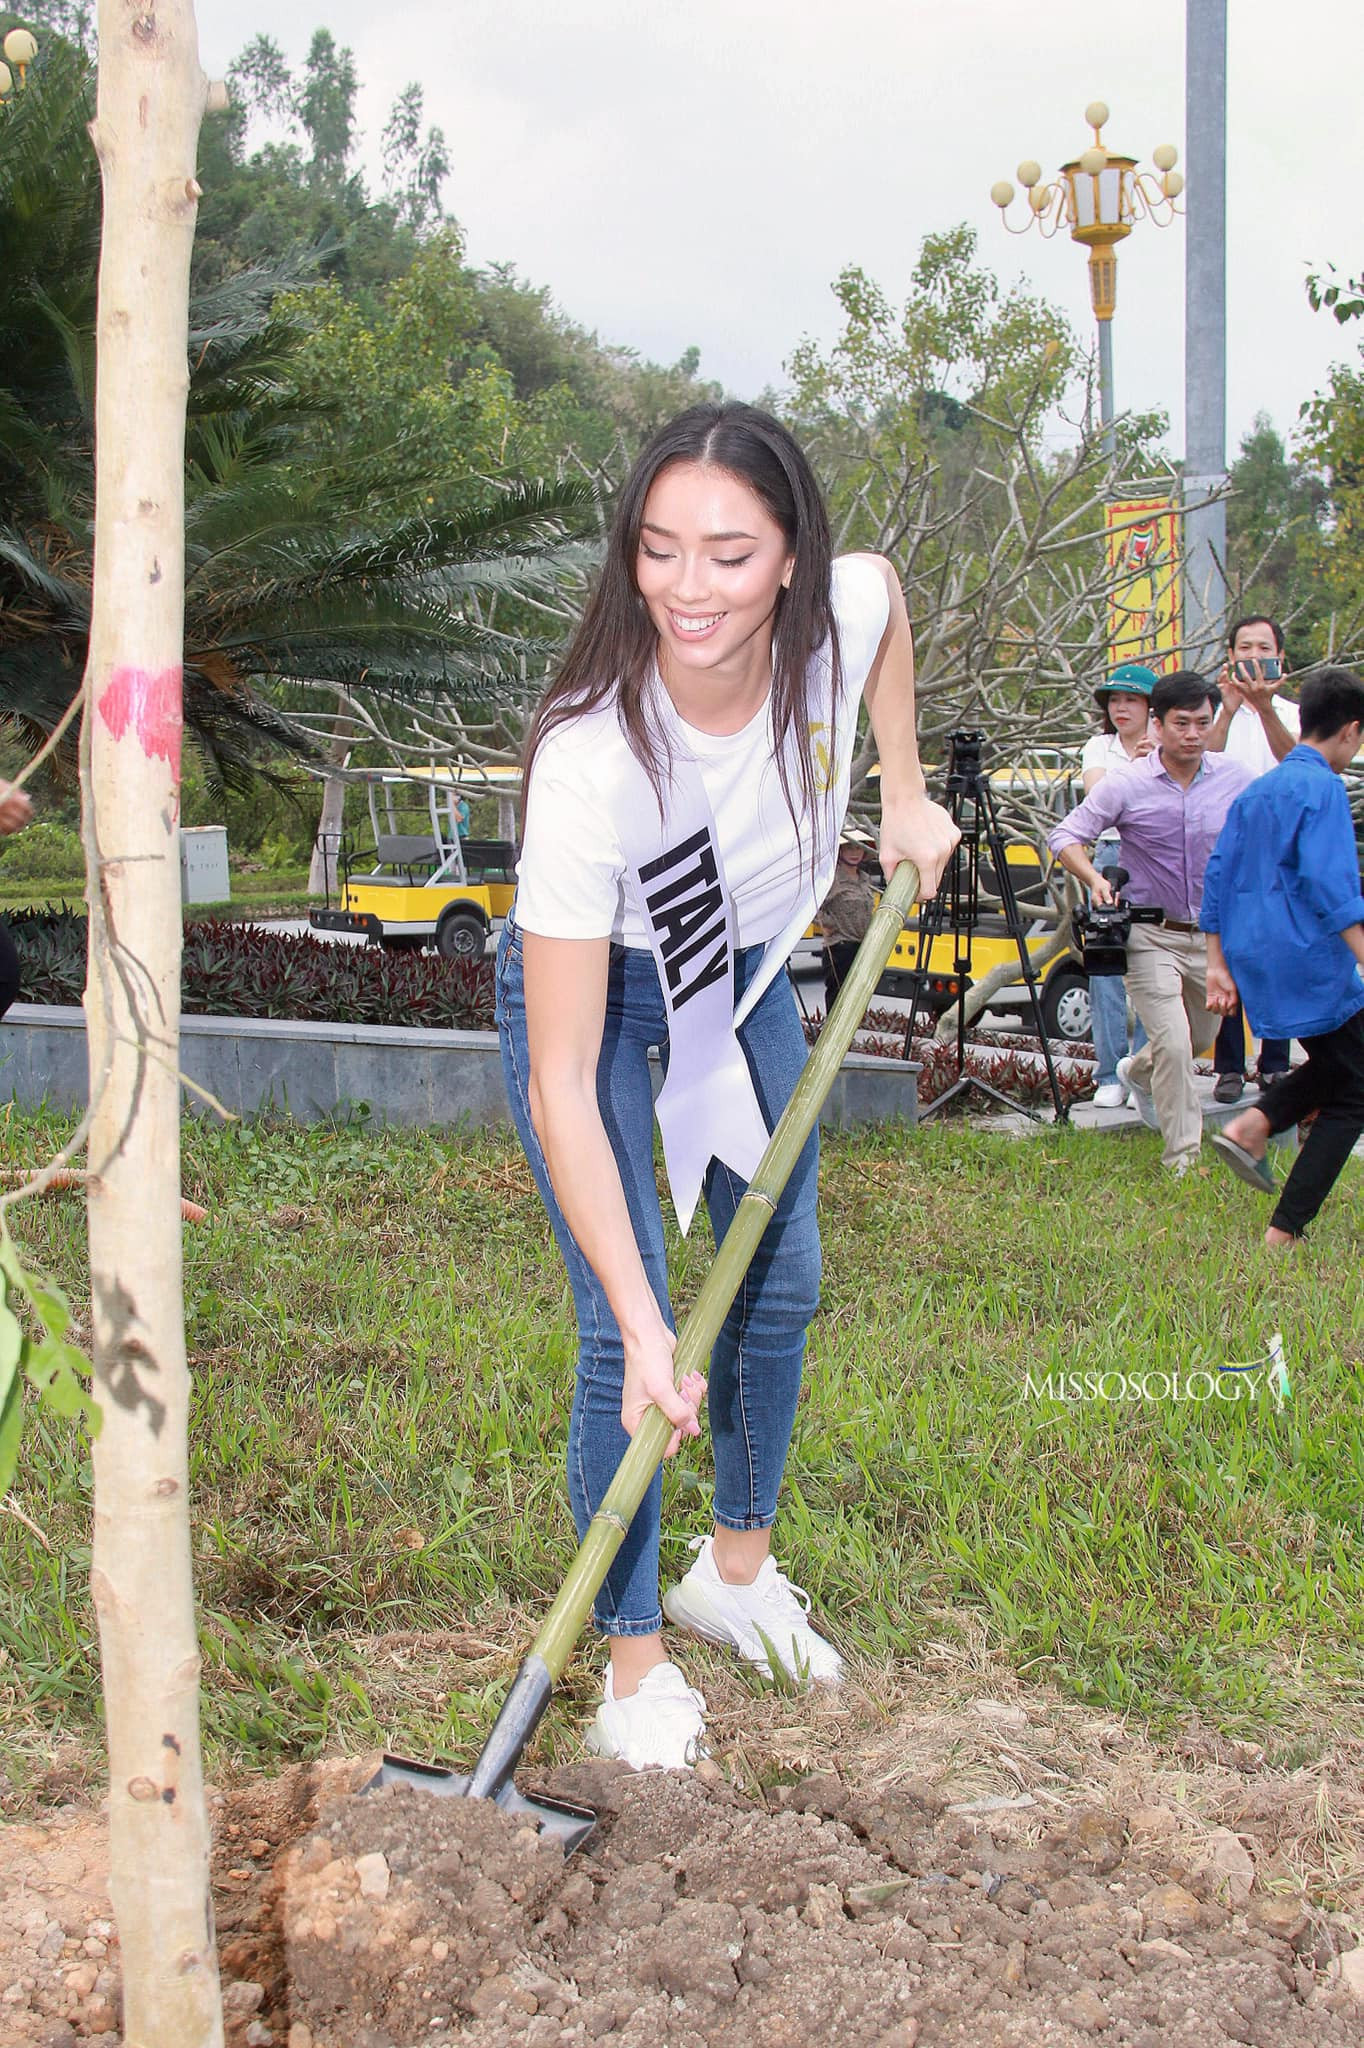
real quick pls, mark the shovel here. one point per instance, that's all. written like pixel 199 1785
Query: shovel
pixel 491 1777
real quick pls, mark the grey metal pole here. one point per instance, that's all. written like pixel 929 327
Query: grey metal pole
pixel 1205 330
pixel 1106 408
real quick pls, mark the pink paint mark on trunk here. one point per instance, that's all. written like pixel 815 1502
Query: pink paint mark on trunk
pixel 151 705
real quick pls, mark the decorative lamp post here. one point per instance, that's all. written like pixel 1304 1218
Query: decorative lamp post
pixel 20 48
pixel 1099 196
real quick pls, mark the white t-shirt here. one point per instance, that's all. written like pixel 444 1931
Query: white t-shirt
pixel 1105 750
pixel 570 880
pixel 1246 740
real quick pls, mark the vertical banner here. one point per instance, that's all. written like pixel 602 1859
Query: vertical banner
pixel 1142 538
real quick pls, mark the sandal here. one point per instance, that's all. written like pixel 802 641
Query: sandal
pixel 1256 1173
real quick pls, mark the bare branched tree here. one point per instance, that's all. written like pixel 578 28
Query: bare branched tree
pixel 1001 549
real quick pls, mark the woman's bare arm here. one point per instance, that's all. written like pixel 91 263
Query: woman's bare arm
pixel 565 982
pixel 913 827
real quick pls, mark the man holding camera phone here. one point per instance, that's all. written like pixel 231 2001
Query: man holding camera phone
pixel 1258 728
pixel 1169 809
pixel 1255 725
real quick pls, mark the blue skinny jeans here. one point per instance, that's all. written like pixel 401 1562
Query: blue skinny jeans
pixel 1108 1008
pixel 755 1365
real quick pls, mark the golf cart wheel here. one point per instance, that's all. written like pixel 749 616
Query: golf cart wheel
pixel 461 937
pixel 1066 1008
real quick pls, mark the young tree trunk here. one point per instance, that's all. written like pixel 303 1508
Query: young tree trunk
pixel 151 99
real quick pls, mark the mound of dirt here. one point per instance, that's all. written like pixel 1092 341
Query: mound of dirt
pixel 896 1911
pixel 696 1918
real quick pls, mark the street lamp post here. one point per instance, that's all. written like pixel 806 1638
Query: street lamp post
pixel 1205 333
pixel 1098 196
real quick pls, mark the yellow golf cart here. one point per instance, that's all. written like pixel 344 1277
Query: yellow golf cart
pixel 424 881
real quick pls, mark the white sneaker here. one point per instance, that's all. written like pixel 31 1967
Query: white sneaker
pixel 1141 1098
pixel 767 1622
pixel 660 1727
pixel 1112 1095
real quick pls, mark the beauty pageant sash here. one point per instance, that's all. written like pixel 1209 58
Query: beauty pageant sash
pixel 707 1107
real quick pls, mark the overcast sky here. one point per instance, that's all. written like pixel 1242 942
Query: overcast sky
pixel 700 173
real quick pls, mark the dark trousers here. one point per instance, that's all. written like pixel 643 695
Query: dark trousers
pixel 839 955
pixel 1229 1054
pixel 1331 1082
pixel 9 969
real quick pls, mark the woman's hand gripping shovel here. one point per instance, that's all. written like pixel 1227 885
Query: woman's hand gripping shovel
pixel 491 1777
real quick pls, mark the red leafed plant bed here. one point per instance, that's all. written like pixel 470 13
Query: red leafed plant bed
pixel 234 970
pixel 1023 1079
pixel 1009 1061
pixel 890 1024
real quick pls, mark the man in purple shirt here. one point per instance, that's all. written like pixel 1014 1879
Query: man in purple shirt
pixel 1169 809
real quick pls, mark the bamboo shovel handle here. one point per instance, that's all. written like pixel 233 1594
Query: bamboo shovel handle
pixel 564 1622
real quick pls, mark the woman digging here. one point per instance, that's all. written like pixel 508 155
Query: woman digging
pixel 686 781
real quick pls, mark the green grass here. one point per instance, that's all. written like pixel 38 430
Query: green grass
pixel 42 895
pixel 256 893
pixel 383 1352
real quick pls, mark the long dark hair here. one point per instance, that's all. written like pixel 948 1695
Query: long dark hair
pixel 612 653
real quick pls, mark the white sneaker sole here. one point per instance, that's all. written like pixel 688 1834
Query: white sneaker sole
pixel 694 1614
pixel 687 1607
pixel 598 1743
pixel 1144 1104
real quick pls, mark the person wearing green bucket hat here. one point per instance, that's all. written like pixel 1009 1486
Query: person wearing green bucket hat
pixel 1124 700
pixel 1132 677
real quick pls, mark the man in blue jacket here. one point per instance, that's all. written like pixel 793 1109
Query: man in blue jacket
pixel 1284 914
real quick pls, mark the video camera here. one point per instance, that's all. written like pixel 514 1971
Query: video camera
pixel 963 760
pixel 1103 929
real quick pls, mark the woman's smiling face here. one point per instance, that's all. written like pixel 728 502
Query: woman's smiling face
pixel 711 564
pixel 1129 711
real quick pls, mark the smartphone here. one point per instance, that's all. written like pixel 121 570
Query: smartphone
pixel 1266 668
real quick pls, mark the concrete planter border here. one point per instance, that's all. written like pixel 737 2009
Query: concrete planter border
pixel 317 1072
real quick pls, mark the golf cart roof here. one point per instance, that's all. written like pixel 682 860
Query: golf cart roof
pixel 473 776
pixel 1038 766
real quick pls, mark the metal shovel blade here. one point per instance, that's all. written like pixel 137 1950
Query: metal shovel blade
pixel 559 1818
pixel 491 1777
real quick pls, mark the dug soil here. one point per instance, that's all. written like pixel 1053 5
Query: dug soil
pixel 1138 1901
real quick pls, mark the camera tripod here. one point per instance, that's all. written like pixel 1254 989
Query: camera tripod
pixel 956 908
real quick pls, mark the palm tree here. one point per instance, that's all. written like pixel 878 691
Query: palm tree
pixel 370 569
